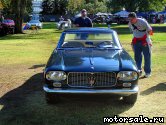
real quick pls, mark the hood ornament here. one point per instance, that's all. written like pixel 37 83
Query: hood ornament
pixel 92 67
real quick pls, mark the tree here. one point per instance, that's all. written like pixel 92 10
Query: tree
pixel 48 7
pixel 54 7
pixel 18 8
pixel 157 5
pixel 5 3
pixel 136 5
pixel 99 7
pixel 60 7
pixel 75 5
pixel 92 6
pixel 1 6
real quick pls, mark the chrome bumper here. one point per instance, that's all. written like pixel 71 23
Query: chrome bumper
pixel 124 92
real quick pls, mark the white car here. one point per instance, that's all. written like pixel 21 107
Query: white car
pixel 61 25
pixel 36 23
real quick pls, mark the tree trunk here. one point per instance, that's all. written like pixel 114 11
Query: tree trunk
pixel 18 26
pixel 19 7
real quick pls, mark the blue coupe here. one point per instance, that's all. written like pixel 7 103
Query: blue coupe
pixel 90 61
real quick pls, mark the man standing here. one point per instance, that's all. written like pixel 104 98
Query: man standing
pixel 141 42
pixel 83 21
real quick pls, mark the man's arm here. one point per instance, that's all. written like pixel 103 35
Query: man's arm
pixel 130 27
pixel 148 28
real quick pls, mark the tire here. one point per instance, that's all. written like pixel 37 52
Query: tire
pixel 52 98
pixel 131 99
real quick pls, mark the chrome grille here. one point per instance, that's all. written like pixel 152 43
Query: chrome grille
pixel 89 79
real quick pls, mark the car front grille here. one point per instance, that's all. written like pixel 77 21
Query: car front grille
pixel 89 79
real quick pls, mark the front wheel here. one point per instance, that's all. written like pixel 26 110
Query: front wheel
pixel 131 99
pixel 52 98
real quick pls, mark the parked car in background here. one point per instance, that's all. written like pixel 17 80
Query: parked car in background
pixel 8 26
pixel 90 61
pixel 109 20
pixel 8 22
pixel 36 23
pixel 122 20
pixel 99 19
pixel 61 25
pixel 103 18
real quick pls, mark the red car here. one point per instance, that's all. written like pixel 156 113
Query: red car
pixel 8 22
pixel 8 26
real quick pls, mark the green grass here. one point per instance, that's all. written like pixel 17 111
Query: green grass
pixel 34 46
pixel 22 102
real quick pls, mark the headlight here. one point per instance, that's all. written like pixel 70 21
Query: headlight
pixel 127 76
pixel 56 75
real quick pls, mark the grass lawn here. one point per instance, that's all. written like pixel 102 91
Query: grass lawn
pixel 22 102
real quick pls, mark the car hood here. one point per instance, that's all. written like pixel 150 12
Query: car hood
pixel 90 60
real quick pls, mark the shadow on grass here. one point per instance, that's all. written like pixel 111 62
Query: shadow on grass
pixel 158 87
pixel 26 105
pixel 142 77
pixel 37 66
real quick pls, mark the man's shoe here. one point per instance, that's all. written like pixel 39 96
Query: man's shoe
pixel 140 72
pixel 147 75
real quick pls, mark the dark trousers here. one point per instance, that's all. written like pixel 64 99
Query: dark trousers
pixel 139 51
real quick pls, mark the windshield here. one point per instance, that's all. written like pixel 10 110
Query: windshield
pixel 89 40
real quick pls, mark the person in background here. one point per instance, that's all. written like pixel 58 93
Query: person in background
pixel 83 21
pixel 61 18
pixel 161 19
pixel 109 21
pixel 1 18
pixel 69 23
pixel 141 42
pixel 154 20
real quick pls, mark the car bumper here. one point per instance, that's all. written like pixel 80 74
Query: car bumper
pixel 124 92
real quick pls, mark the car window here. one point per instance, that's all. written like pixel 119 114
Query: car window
pixel 8 21
pixel 5 21
pixel 86 40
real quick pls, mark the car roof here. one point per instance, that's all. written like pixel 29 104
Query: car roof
pixel 90 30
